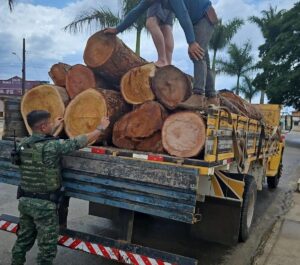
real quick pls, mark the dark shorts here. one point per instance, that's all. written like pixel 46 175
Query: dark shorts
pixel 165 16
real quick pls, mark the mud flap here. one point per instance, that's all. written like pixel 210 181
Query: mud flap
pixel 220 221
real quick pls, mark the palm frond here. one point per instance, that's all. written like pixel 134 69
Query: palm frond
pixel 103 18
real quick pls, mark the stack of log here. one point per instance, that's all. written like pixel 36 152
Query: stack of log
pixel 140 99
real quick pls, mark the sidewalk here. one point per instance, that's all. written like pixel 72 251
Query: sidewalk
pixel 283 246
pixel 293 139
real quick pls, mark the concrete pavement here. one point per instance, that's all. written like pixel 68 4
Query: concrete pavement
pixel 293 139
pixel 283 246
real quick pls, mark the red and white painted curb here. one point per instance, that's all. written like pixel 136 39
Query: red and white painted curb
pixel 95 249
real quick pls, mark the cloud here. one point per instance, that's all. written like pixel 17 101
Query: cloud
pixel 41 23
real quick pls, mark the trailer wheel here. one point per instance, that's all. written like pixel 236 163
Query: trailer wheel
pixel 249 200
pixel 273 181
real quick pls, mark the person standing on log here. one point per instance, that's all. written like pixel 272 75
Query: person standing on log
pixel 197 18
pixel 40 190
pixel 159 23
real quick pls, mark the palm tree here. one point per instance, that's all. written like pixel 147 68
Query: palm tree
pixel 247 88
pixel 106 18
pixel 10 3
pixel 240 62
pixel 223 33
pixel 268 24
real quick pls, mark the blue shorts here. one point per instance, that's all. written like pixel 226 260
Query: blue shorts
pixel 165 16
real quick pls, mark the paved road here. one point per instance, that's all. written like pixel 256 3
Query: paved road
pixel 164 235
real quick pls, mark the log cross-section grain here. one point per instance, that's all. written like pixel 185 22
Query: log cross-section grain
pixel 183 134
pixel 171 86
pixel 140 129
pixel 45 97
pixel 58 73
pixel 80 78
pixel 84 113
pixel 108 56
pixel 136 84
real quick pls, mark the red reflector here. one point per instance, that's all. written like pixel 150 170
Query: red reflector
pixel 155 158
pixel 282 137
pixel 98 151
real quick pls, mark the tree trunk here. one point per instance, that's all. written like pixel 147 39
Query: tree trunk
pixel 137 129
pixel 239 106
pixel 138 42
pixel 58 73
pixel 45 97
pixel 183 134
pixel 238 86
pixel 136 84
pixel 85 112
pixel 262 97
pixel 171 86
pixel 108 56
pixel 80 78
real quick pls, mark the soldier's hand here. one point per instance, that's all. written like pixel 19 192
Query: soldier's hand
pixel 104 123
pixel 58 121
pixel 112 31
pixel 195 51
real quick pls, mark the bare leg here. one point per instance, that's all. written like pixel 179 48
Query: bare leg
pixel 158 39
pixel 169 42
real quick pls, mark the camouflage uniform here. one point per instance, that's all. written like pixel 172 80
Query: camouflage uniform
pixel 40 173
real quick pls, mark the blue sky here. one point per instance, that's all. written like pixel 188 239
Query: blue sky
pixel 41 23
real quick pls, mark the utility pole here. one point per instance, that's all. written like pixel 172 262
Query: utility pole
pixel 23 68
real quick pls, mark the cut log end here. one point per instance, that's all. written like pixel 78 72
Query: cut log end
pixel 183 134
pixel 45 97
pixel 79 78
pixel 99 49
pixel 58 73
pixel 171 86
pixel 136 84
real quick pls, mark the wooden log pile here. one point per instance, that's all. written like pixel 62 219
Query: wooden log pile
pixel 140 99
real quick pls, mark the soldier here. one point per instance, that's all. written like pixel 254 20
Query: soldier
pixel 39 190
pixel 197 18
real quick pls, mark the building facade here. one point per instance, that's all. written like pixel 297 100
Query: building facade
pixel 296 121
pixel 13 86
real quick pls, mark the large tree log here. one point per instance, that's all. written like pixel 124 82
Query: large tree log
pixel 183 134
pixel 238 105
pixel 151 144
pixel 45 97
pixel 136 84
pixel 138 125
pixel 58 73
pixel 85 112
pixel 80 78
pixel 171 86
pixel 107 55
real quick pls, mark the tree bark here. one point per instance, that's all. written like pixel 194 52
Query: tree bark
pixel 85 112
pixel 80 78
pixel 138 129
pixel 184 134
pixel 45 97
pixel 136 84
pixel 110 57
pixel 171 86
pixel 58 73
pixel 239 106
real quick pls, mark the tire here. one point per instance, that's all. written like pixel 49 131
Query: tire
pixel 273 181
pixel 248 207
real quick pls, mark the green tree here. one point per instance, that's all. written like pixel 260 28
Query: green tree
pixel 247 89
pixel 223 33
pixel 283 58
pixel 106 18
pixel 268 24
pixel 239 63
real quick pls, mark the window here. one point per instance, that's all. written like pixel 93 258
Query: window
pixel 296 123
